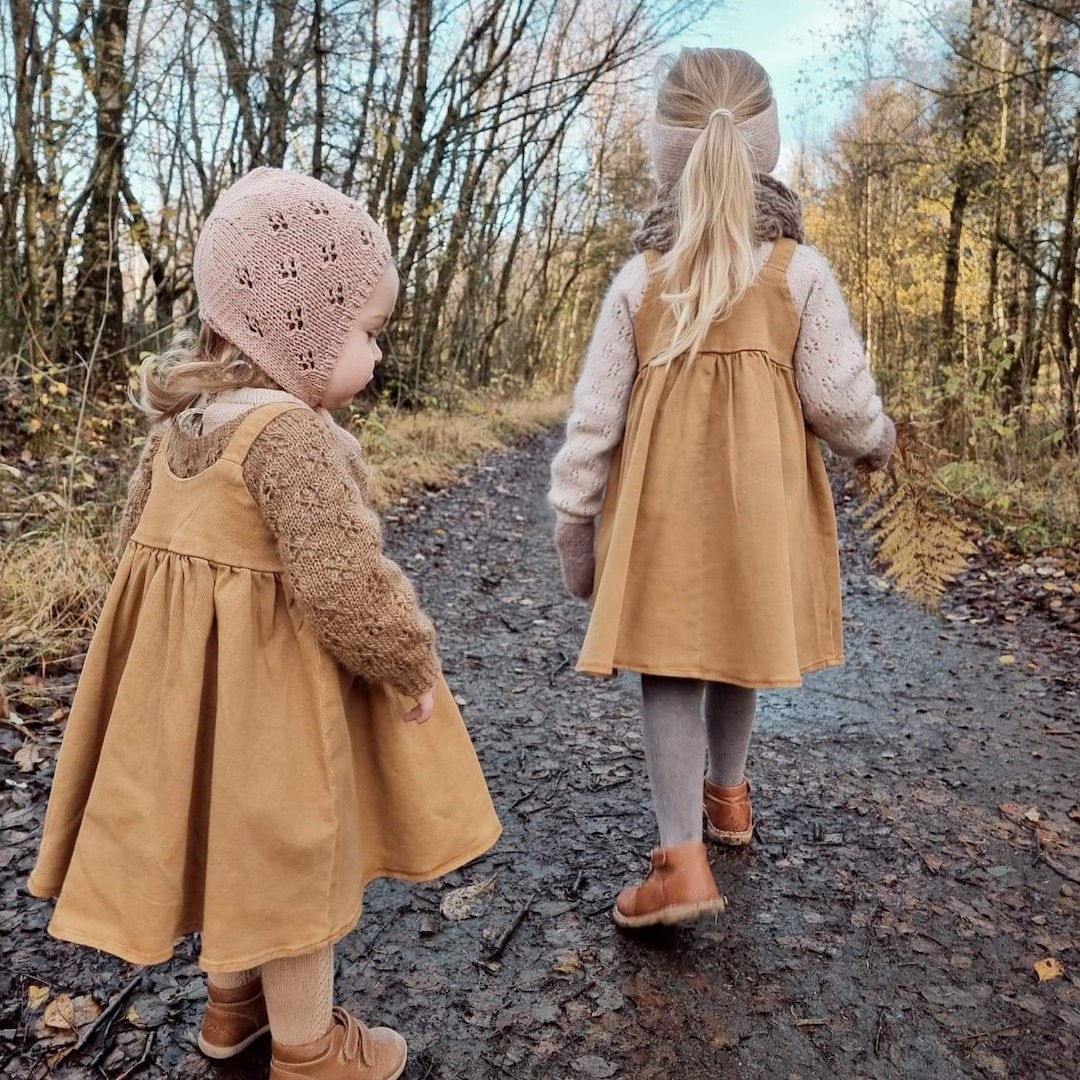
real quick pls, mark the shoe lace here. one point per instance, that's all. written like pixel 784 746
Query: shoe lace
pixel 356 1042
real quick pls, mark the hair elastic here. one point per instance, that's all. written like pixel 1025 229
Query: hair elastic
pixel 721 112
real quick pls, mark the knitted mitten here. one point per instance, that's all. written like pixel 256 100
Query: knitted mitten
pixel 878 458
pixel 574 541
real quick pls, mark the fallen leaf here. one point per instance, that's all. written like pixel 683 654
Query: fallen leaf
pixel 28 757
pixel 64 1018
pixel 147 1012
pixel 458 904
pixel 60 1014
pixel 608 1000
pixel 1049 969
pixel 36 997
pixel 1033 814
pixel 568 964
pixel 594 1066
pixel 1007 659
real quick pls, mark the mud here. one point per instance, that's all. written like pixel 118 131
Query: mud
pixel 917 852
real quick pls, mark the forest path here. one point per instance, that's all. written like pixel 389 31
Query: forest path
pixel 885 922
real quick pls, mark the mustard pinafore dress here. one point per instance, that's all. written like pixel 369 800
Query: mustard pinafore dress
pixel 220 771
pixel 717 551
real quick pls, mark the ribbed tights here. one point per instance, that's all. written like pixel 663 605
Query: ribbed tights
pixel 299 994
pixel 675 741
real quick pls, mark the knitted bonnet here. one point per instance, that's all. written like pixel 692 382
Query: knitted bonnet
pixel 671 146
pixel 282 268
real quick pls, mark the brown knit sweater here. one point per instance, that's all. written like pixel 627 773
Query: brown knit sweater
pixel 312 491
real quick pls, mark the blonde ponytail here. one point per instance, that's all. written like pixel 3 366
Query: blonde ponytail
pixel 711 263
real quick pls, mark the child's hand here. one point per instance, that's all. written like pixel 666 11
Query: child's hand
pixel 878 458
pixel 575 543
pixel 425 706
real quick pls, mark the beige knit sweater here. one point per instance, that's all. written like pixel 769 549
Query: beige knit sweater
pixel 312 491
pixel 837 391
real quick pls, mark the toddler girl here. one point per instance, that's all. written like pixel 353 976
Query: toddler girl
pixel 261 727
pixel 723 352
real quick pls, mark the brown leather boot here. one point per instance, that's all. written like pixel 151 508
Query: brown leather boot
pixel 234 1020
pixel 348 1051
pixel 680 889
pixel 728 814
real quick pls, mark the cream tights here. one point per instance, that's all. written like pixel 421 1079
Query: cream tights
pixel 299 993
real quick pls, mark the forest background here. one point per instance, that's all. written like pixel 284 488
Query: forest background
pixel 502 145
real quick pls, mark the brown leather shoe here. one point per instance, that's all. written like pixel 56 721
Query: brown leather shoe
pixel 729 817
pixel 349 1051
pixel 680 889
pixel 234 1020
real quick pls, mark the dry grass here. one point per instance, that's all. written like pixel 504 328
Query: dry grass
pixel 412 451
pixel 52 586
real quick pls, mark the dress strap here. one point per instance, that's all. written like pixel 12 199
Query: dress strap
pixel 652 257
pixel 782 252
pixel 251 427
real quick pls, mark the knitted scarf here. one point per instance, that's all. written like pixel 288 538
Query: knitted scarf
pixel 779 213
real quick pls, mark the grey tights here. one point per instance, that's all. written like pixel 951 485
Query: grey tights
pixel 675 742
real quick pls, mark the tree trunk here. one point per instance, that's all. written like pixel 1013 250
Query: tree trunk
pixel 320 90
pixel 278 99
pixel 26 184
pixel 1068 367
pixel 98 301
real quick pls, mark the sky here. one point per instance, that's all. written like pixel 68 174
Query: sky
pixel 791 38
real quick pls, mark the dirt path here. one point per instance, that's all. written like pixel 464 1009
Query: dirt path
pixel 885 923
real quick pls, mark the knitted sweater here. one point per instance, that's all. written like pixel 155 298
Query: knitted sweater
pixel 312 492
pixel 837 391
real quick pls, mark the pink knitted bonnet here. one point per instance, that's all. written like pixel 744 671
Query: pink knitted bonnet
pixel 282 268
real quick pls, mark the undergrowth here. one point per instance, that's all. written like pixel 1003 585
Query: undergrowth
pixel 57 554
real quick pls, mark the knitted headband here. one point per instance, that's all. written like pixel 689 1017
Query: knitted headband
pixel 282 268
pixel 671 146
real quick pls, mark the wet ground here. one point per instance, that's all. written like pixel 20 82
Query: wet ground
pixel 917 855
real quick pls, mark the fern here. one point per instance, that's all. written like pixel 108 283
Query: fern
pixel 922 546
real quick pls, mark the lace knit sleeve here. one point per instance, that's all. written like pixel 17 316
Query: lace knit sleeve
pixel 359 603
pixel 579 472
pixel 838 394
pixel 138 492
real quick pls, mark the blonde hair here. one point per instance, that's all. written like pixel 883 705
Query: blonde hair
pixel 711 264
pixel 191 367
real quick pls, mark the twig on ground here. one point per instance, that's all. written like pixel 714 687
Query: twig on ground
pixel 987 1034
pixel 508 933
pixel 525 798
pixel 142 1061
pixel 930 937
pixel 99 1057
pixel 557 670
pixel 106 1015
pixel 614 783
pixel 1064 871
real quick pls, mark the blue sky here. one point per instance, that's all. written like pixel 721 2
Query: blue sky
pixel 792 38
